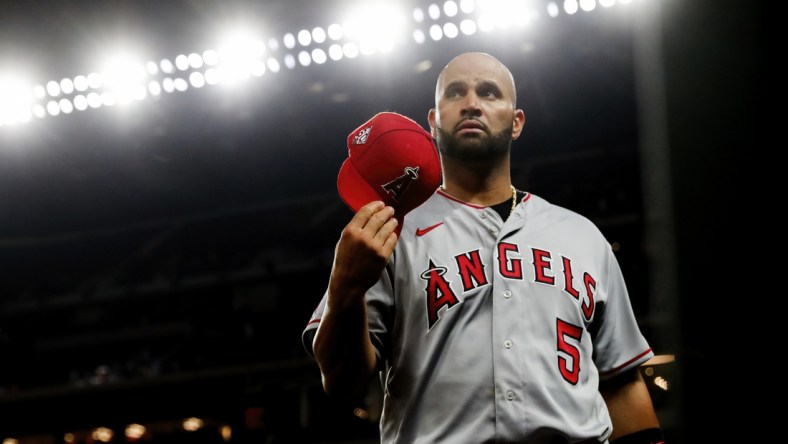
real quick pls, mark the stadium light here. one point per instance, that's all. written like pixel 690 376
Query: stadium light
pixel 16 100
pixel 368 29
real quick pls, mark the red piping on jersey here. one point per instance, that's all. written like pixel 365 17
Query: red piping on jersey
pixel 478 207
pixel 526 197
pixel 614 370
pixel 316 321
pixel 442 193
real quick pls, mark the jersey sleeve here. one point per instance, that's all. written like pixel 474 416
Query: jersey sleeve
pixel 379 315
pixel 308 335
pixel 619 344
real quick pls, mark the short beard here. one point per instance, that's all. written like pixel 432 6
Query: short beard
pixel 470 149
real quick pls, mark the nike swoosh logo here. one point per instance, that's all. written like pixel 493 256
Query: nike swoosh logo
pixel 423 231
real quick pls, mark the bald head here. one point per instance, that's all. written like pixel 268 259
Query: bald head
pixel 481 66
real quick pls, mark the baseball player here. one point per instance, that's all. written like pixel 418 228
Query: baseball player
pixel 494 316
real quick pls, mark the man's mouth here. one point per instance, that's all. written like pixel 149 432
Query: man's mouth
pixel 470 126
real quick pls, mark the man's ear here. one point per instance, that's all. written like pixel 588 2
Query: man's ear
pixel 431 119
pixel 517 123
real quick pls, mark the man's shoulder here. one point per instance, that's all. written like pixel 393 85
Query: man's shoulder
pixel 539 207
pixel 432 206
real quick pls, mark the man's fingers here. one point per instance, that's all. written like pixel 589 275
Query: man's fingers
pixel 385 231
pixel 379 220
pixel 391 242
pixel 364 213
pixel 372 217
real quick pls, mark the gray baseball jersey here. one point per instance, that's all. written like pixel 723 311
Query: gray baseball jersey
pixel 493 331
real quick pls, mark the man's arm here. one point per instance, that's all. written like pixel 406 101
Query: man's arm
pixel 342 345
pixel 631 409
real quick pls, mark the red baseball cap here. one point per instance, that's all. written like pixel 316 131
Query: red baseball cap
pixel 390 158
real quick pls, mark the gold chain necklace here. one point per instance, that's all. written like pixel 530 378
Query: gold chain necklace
pixel 514 199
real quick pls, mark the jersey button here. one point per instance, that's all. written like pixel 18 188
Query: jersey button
pixel 507 343
pixel 483 215
pixel 510 395
pixel 507 294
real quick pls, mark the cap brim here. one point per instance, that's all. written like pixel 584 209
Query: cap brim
pixel 353 188
pixel 356 192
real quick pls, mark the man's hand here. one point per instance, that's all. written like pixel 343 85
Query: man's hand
pixel 363 250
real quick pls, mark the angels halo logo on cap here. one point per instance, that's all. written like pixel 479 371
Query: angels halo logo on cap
pixel 390 158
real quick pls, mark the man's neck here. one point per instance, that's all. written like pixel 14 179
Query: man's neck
pixel 486 185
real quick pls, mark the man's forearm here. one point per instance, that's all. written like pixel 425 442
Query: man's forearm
pixel 343 349
pixel 629 404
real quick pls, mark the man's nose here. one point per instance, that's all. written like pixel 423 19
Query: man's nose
pixel 471 104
